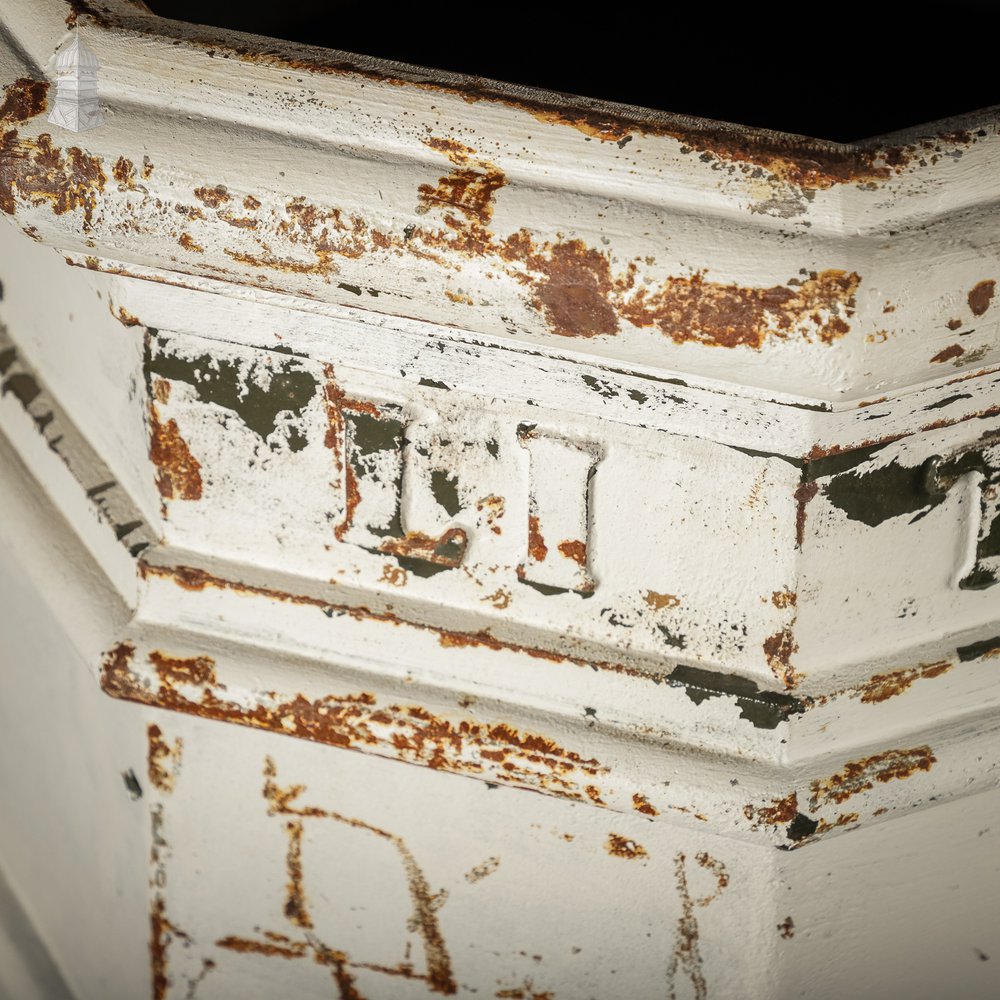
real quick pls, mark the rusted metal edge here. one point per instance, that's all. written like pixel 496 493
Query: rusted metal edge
pixel 831 795
pixel 811 164
pixel 112 503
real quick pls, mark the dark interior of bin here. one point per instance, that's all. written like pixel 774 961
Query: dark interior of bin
pixel 840 71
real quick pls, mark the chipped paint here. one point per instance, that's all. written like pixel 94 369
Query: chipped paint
pixel 981 296
pixel 882 687
pixel 858 776
pixel 623 847
pixel 178 472
pixel 23 100
pixel 359 721
pixel 163 760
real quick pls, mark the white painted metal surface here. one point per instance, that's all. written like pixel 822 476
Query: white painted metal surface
pixel 643 463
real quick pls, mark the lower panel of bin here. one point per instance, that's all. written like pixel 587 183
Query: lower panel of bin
pixel 184 859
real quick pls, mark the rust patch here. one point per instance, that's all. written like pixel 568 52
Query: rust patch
pixel 147 168
pixel 395 576
pixel 686 957
pixel 481 871
pixel 446 550
pixel 787 928
pixel 780 811
pixel 575 550
pixel 494 507
pixel 37 172
pixel 469 189
pixel 778 651
pixel 124 316
pixel 250 203
pixel 537 548
pixel 844 819
pixel 22 100
pixel 178 472
pixel 500 598
pixel 213 197
pixel 981 296
pixel 954 351
pixel 706 312
pixel 195 670
pixel 162 759
pixel 187 241
pixel 882 687
pixel 804 492
pixel 641 804
pixel 161 390
pixel 574 287
pixel 124 172
pixel 622 847
pixel 859 775
pixel 659 601
pixel 953 324
pixel 357 721
pixel 784 599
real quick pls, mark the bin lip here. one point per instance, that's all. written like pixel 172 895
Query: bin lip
pixel 810 163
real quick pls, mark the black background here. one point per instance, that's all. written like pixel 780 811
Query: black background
pixel 839 71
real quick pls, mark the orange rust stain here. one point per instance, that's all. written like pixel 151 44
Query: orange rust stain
pixel 784 599
pixel 446 550
pixel 178 472
pixel 124 172
pixel 621 847
pixel 594 794
pixel 495 508
pixel 439 977
pixel 500 598
pixel 250 203
pixel 469 189
pixel 213 197
pixel 575 550
pixel 458 297
pixel 289 949
pixel 191 578
pixel 872 402
pixel 859 775
pixel 357 721
pixel 641 804
pixel 981 296
pixel 396 576
pixel 881 687
pixel 124 316
pixel 787 928
pixel 659 601
pixel 844 819
pixel 779 812
pixel 187 241
pixel 159 937
pixel 954 351
pixel 23 99
pixel 238 221
pixel 778 651
pixel 196 670
pixel 35 171
pixel 147 168
pixel 161 390
pixel 953 324
pixel 525 992
pixel 804 492
pixel 537 548
pixel 162 759
pixel 695 310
